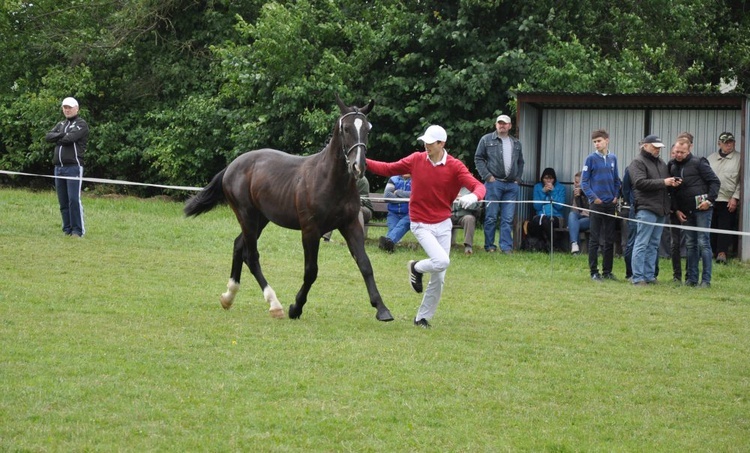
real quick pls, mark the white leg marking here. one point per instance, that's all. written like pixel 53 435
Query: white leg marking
pixel 276 310
pixel 227 298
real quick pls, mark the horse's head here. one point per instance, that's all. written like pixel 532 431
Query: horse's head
pixel 353 129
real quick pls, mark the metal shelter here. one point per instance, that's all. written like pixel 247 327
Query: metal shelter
pixel 555 130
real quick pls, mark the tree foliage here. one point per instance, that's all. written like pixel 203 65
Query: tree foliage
pixel 173 90
pixel 632 47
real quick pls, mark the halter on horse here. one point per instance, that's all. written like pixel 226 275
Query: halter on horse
pixel 314 194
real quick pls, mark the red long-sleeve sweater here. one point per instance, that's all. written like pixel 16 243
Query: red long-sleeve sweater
pixel 433 187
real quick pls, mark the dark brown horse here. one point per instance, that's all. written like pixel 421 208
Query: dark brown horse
pixel 314 194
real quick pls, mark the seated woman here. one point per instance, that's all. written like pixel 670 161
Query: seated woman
pixel 549 196
pixel 578 218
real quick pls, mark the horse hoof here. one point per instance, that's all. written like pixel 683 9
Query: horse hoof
pixel 225 304
pixel 294 313
pixel 384 315
pixel 277 313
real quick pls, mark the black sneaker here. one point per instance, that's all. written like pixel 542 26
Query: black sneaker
pixel 415 278
pixel 596 277
pixel 422 323
pixel 609 277
pixel 386 244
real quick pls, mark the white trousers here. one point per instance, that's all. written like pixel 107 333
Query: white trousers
pixel 435 239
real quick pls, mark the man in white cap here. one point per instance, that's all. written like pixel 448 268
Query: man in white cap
pixel 650 180
pixel 726 164
pixel 437 178
pixel 499 161
pixel 70 137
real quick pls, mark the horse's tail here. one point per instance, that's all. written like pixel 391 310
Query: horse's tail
pixel 208 198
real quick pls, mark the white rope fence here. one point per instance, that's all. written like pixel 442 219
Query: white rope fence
pixel 665 225
pixel 381 199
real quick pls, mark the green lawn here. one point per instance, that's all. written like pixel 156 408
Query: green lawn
pixel 117 342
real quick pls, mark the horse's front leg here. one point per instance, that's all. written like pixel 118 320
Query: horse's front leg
pixel 311 245
pixel 355 240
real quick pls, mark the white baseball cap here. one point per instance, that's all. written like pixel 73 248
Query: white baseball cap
pixel 434 134
pixel 70 102
pixel 503 119
pixel 653 140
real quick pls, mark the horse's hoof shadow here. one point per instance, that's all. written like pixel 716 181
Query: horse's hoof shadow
pixel 277 313
pixel 294 312
pixel 384 315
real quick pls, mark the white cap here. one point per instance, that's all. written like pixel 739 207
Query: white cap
pixel 653 140
pixel 70 102
pixel 434 134
pixel 504 119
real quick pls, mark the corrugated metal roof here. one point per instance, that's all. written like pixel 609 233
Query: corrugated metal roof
pixel 712 101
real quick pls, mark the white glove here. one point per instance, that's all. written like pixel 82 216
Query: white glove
pixel 467 200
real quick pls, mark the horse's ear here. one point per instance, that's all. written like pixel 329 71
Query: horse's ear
pixel 366 109
pixel 343 107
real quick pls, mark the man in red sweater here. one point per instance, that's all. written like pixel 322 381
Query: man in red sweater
pixel 437 178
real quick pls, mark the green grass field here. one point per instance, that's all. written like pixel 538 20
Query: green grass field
pixel 117 342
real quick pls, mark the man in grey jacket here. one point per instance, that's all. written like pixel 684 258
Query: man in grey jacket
pixel 499 161
pixel 651 180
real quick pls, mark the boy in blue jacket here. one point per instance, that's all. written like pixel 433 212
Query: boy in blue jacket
pixel 600 182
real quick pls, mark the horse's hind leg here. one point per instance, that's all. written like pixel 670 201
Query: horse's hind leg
pixel 252 259
pixel 227 298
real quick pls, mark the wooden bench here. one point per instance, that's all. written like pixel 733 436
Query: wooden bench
pixel 380 212
pixel 582 241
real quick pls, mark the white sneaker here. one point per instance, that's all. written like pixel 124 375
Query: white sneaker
pixel 574 248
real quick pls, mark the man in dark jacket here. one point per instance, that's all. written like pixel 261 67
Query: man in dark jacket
pixel 70 137
pixel 693 202
pixel 650 180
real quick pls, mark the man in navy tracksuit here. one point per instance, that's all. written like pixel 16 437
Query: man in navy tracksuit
pixel 70 137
